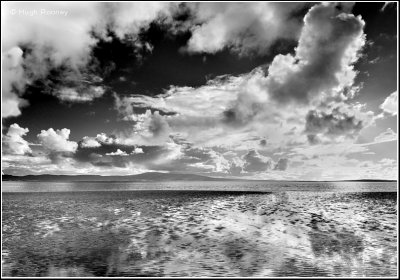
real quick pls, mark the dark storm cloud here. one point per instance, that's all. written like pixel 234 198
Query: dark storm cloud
pixel 332 124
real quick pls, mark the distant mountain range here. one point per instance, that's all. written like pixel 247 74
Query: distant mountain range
pixel 144 177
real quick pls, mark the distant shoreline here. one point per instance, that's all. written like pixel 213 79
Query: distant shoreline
pixel 156 177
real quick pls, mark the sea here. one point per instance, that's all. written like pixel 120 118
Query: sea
pixel 199 229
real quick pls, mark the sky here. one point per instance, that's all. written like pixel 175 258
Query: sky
pixel 255 90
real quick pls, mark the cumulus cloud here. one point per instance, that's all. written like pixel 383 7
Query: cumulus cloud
pixel 386 136
pixel 99 140
pixel 336 123
pixel 320 70
pixel 13 141
pixel 243 27
pixel 390 105
pixel 105 139
pixel 328 47
pixel 88 142
pixel 118 152
pixel 137 151
pixel 57 140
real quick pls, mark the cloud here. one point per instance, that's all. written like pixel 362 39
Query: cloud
pixel 242 27
pixel 45 42
pixel 57 140
pixel 328 47
pixel 13 141
pixel 98 141
pixel 336 123
pixel 170 156
pixel 263 142
pixel 105 139
pixel 270 114
pixel 13 83
pixel 35 44
pixel 390 105
pixel 235 169
pixel 127 19
pixel 25 164
pixel 137 151
pixel 117 153
pixel 281 164
pixel 313 139
pixel 334 166
pixel 150 128
pixel 88 142
pixel 152 125
pixel 186 101
pixel 386 136
pixel 72 95
pixel 320 70
pixel 254 162
pixel 258 101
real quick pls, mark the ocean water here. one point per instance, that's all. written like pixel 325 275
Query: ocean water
pixel 199 229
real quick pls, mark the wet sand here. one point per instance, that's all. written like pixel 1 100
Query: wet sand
pixel 200 234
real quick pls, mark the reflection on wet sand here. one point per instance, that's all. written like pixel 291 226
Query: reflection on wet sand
pixel 199 234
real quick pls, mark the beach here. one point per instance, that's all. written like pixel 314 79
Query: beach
pixel 200 234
